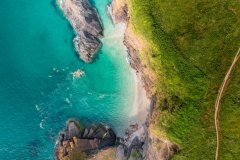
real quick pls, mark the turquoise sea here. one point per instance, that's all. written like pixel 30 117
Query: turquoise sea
pixel 37 91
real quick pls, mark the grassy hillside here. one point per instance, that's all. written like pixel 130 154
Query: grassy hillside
pixel 230 118
pixel 191 46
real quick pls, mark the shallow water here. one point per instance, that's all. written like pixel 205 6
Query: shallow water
pixel 37 91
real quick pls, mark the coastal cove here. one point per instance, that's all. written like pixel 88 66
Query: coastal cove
pixel 38 93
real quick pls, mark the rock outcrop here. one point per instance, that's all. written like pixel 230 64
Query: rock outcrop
pixel 118 11
pixel 161 149
pixel 87 26
pixel 83 140
pixel 136 139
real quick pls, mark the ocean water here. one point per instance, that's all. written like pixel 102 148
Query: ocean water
pixel 37 91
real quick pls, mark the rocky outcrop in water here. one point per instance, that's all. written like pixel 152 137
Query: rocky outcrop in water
pixel 87 26
pixel 75 139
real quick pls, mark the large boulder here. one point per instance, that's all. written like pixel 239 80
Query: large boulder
pixel 90 133
pixel 120 153
pixel 85 144
pixel 85 133
pixel 86 23
pixel 73 129
pixel 100 131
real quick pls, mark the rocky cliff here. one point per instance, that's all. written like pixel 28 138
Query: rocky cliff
pixel 118 11
pixel 87 26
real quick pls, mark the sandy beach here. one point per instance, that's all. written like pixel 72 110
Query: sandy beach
pixel 141 101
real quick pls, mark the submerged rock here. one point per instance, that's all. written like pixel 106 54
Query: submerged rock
pixel 87 140
pixel 86 24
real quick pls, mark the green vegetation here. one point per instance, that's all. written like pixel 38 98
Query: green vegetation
pixel 136 154
pixel 229 123
pixel 191 46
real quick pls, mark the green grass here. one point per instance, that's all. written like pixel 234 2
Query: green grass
pixel 192 44
pixel 229 123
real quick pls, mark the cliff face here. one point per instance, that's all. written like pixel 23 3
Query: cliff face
pixel 136 57
pixel 137 45
pixel 86 24
pixel 119 12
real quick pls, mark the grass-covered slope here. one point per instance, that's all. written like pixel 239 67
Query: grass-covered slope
pixel 191 46
pixel 229 120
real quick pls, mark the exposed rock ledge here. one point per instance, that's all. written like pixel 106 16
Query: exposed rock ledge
pixel 118 11
pixel 87 26
pixel 75 139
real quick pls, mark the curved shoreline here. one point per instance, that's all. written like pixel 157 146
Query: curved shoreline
pixel 118 13
pixel 121 12
pixel 140 110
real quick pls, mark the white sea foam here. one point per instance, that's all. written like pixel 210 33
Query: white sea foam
pixel 41 124
pixel 37 107
pixel 67 100
pixel 101 96
pixel 127 59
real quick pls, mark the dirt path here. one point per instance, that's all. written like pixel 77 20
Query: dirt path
pixel 219 98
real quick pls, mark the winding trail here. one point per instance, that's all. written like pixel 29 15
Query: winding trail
pixel 219 98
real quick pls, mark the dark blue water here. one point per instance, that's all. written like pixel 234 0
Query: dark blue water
pixel 37 91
